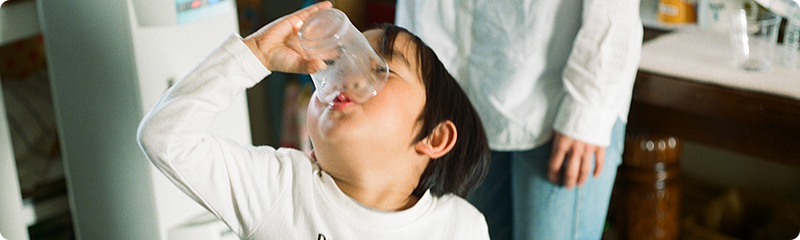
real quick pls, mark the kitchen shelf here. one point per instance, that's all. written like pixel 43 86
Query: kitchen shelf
pixel 647 12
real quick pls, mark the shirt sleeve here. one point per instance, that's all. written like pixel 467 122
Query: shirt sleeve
pixel 599 74
pixel 236 183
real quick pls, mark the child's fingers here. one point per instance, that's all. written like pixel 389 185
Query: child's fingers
pixel 278 40
pixel 315 65
pixel 296 19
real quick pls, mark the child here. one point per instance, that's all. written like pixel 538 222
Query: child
pixel 394 167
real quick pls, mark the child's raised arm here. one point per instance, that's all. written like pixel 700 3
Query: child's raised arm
pixel 237 183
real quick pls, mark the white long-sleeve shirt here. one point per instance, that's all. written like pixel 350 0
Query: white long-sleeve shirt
pixel 534 66
pixel 263 193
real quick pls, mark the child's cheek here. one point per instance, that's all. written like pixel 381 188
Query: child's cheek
pixel 315 108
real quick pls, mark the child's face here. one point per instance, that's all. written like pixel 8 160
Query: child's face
pixel 386 124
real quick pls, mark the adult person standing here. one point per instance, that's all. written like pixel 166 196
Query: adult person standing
pixel 552 81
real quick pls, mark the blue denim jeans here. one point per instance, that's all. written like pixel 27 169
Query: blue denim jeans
pixel 519 201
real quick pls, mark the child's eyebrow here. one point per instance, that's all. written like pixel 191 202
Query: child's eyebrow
pixel 402 57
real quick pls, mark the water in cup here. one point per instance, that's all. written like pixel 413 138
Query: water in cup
pixel 354 70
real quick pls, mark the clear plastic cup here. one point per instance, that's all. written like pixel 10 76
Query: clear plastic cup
pixel 754 39
pixel 354 69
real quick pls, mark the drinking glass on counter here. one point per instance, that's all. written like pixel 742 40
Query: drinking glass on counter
pixel 754 39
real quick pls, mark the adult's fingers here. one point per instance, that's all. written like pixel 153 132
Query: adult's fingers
pixel 600 160
pixel 556 161
pixel 586 165
pixel 573 170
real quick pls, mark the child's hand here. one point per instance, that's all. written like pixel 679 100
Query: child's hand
pixel 277 46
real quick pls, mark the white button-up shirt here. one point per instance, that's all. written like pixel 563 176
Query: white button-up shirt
pixel 534 66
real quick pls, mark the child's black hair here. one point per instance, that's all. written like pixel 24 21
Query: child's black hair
pixel 463 168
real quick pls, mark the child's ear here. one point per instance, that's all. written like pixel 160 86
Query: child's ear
pixel 439 142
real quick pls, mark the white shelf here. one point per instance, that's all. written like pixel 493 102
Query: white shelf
pixel 18 21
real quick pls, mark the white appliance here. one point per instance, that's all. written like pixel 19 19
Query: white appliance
pixel 17 21
pixel 12 224
pixel 107 69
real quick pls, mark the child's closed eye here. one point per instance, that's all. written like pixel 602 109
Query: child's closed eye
pixel 381 69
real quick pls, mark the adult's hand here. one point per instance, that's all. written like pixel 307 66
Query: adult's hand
pixel 277 46
pixel 571 161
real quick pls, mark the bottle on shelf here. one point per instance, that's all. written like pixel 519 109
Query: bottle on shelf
pixel 791 42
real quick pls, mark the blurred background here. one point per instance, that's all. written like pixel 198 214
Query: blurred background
pixel 78 76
